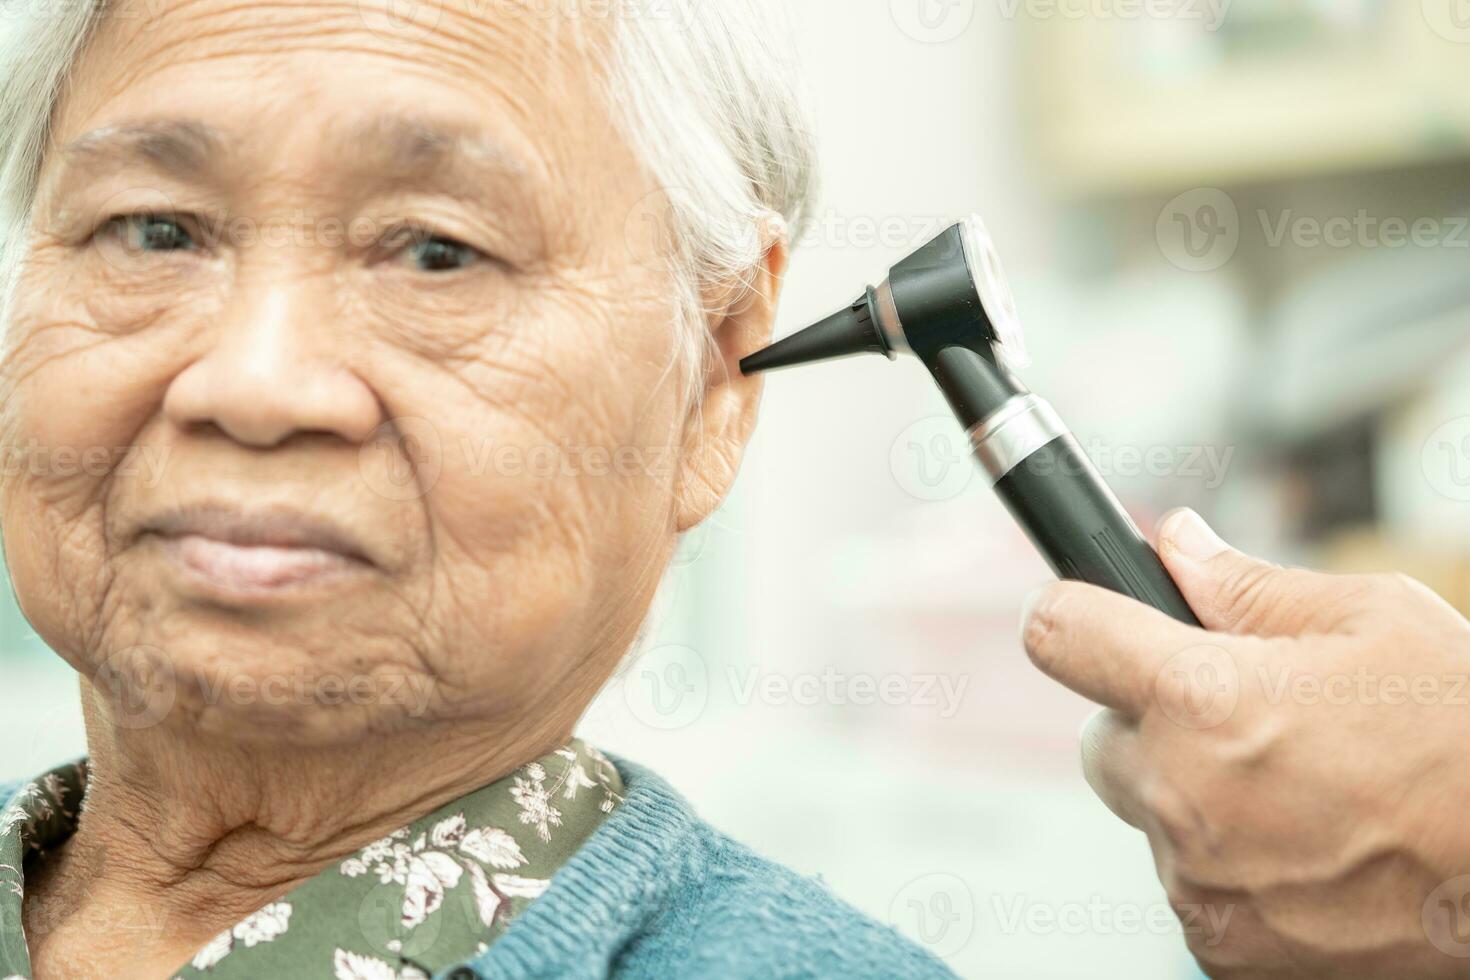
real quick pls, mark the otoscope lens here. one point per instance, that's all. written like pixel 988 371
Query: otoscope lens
pixel 995 291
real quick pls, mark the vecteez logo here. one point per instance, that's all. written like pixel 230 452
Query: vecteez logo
pixel 667 687
pixel 1199 231
pixel 1450 19
pixel 933 21
pixel 937 910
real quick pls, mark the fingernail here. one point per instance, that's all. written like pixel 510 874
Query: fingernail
pixel 1028 606
pixel 1188 533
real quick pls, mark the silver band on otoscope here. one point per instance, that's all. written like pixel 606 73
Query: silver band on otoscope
pixel 888 321
pixel 1013 432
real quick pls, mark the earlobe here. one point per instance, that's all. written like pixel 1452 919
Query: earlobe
pixel 740 323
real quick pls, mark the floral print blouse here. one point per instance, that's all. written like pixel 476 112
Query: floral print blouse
pixel 425 897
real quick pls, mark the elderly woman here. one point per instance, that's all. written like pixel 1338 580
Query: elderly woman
pixel 282 282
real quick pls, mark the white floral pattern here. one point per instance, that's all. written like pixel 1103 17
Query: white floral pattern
pixel 16 886
pixel 38 808
pixel 490 854
pixel 534 799
pixel 576 776
pixel 29 807
pixel 434 863
pixel 493 846
pixel 348 965
pixel 43 800
pixel 259 927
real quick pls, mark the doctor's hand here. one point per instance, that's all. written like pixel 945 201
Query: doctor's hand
pixel 1302 770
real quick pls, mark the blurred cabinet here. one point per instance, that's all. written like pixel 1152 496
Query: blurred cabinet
pixel 1139 95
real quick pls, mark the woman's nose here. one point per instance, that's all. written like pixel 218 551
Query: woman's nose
pixel 271 372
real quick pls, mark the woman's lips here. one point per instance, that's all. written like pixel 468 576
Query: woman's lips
pixel 255 568
pixel 243 554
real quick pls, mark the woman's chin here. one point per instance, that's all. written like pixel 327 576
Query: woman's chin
pixel 319 726
pixel 258 694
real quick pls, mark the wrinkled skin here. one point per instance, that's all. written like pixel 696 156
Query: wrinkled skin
pixel 1299 770
pixel 237 348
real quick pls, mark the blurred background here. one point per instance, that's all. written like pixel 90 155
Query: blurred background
pixel 1238 234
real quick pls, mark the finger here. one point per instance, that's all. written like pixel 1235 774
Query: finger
pixel 1108 648
pixel 1112 764
pixel 1232 592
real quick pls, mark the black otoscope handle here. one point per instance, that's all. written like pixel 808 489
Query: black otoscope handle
pixel 1077 524
pixel 1048 483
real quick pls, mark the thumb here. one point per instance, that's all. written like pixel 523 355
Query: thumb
pixel 1234 593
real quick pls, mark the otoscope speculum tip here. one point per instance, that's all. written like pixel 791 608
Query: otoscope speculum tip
pixel 848 331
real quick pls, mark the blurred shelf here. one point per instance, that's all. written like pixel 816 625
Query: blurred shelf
pixel 1360 337
pixel 1140 105
pixel 1446 570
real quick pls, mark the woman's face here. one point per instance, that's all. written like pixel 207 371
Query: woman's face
pixel 337 393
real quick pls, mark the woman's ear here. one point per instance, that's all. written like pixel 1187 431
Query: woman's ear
pixel 740 323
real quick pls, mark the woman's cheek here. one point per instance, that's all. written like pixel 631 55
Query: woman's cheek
pixel 525 539
pixel 95 341
pixel 91 397
pixel 85 366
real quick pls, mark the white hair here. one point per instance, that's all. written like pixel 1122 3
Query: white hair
pixel 711 101
pixel 705 90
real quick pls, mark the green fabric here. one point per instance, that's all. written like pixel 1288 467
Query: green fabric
pixel 426 897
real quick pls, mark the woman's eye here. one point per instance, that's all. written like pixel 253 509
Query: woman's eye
pixel 150 233
pixel 439 254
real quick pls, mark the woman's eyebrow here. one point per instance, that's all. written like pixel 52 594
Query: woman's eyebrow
pixel 383 147
pixel 399 147
pixel 181 147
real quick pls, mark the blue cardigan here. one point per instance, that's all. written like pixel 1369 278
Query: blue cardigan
pixel 656 892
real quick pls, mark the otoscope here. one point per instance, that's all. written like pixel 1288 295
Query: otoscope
pixel 949 304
